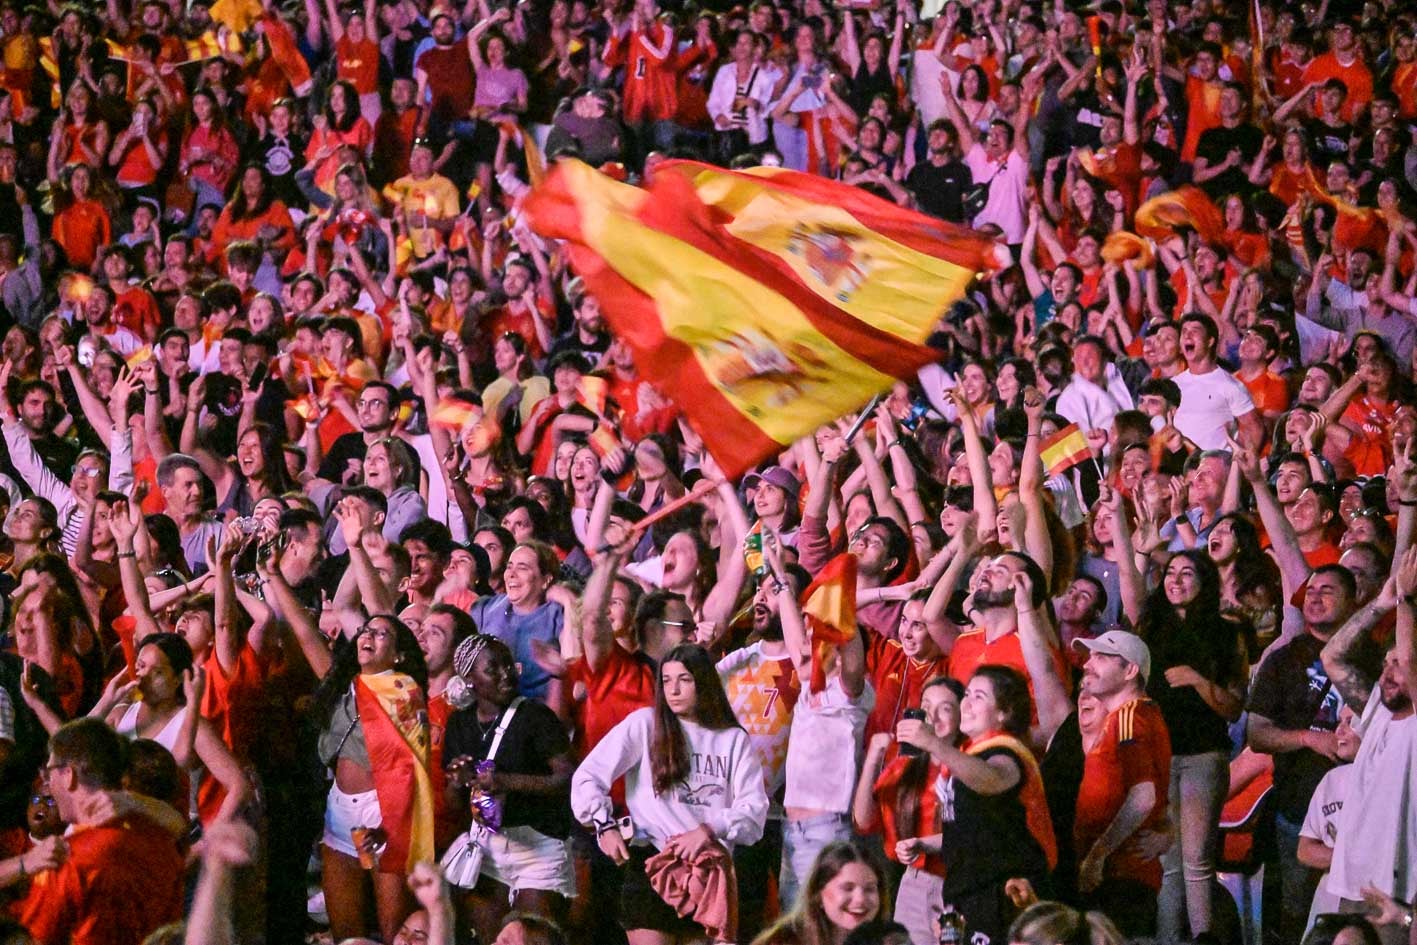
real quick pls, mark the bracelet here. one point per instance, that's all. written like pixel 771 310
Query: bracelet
pixel 126 554
pixel 1180 520
pixel 21 860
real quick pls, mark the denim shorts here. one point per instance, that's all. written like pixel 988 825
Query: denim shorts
pixel 344 812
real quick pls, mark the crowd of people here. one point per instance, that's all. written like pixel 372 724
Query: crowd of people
pixel 357 585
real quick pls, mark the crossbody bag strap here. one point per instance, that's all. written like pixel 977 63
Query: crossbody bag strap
pixel 502 727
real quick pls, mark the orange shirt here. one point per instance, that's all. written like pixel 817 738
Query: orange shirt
pixel 1287 185
pixel 1269 392
pixel 1204 101
pixel 1135 747
pixel 1355 75
pixel 137 168
pixel 898 681
pixel 227 231
pixel 360 135
pixel 81 229
pixel 886 791
pixel 1404 86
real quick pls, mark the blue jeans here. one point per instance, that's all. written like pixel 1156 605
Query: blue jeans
pixel 802 840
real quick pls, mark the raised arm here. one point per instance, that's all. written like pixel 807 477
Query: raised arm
pixel 1037 540
pixel 985 504
pixel 1354 682
pixel 1293 569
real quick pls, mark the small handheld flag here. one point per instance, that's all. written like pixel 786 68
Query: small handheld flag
pixel 1065 449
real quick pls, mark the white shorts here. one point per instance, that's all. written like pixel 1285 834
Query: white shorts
pixel 525 858
pixel 344 812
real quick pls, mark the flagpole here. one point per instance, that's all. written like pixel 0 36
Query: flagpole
pixel 701 488
pixel 866 412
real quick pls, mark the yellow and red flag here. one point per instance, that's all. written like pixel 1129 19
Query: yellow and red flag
pixel 452 413
pixel 1161 216
pixel 763 302
pixel 1064 450
pixel 395 720
pixel 593 393
pixel 829 609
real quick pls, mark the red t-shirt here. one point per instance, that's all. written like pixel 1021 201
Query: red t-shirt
pixel 898 681
pixel 358 64
pixel 1355 75
pixel 122 880
pixel 450 80
pixel 1135 747
pixel 971 651
pixel 445 824
pixel 886 790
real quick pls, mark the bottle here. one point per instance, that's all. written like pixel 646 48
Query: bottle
pixel 753 552
pixel 951 927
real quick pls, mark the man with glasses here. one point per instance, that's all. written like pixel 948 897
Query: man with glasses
pixel 376 408
pixel 122 878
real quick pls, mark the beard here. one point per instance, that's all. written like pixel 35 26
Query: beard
pixel 985 598
pixel 1400 701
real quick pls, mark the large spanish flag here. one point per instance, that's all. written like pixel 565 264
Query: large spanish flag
pixel 395 720
pixel 763 302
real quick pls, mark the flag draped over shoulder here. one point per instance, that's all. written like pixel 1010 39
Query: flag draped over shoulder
pixel 763 302
pixel 829 610
pixel 395 721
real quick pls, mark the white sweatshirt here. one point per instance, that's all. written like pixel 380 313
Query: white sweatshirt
pixel 724 789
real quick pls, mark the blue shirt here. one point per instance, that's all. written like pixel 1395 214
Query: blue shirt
pixel 495 616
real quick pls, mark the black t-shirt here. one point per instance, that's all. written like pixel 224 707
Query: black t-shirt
pixel 336 462
pixel 1292 690
pixel 1328 143
pixel 1063 765
pixel 1216 144
pixel 986 839
pixel 940 190
pixel 533 738
pixel 1212 651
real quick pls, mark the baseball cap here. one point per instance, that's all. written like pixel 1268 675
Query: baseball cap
pixel 774 476
pixel 1128 646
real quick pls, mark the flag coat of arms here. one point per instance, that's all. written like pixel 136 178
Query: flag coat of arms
pixel 765 302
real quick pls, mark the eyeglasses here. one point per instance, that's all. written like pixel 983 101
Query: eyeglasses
pixel 43 800
pixel 49 769
pixel 364 402
pixel 378 633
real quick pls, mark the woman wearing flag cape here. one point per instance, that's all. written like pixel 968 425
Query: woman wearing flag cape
pixel 374 737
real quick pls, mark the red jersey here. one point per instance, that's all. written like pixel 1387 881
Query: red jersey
pixel 898 680
pixel 971 651
pixel 1204 113
pixel 886 791
pixel 1134 748
pixel 651 80
pixel 135 309
pixel 122 880
pixel 517 318
pixel 624 683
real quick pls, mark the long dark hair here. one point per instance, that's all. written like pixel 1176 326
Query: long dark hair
pixel 669 747
pixel 345 667
pixel 273 472
pixel 351 105
pixel 912 779
pixel 239 208
pixel 1172 637
pixel 807 924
